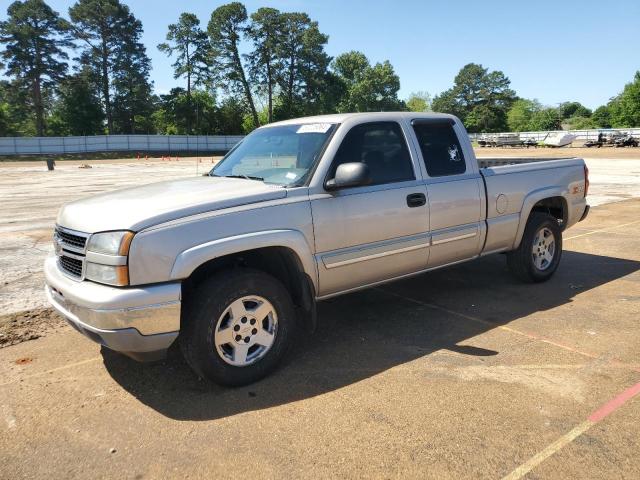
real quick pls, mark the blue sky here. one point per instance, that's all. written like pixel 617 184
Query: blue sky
pixel 554 51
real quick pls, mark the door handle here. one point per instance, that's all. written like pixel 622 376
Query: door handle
pixel 416 200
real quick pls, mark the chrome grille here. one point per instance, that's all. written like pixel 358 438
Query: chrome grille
pixel 72 240
pixel 70 247
pixel 72 266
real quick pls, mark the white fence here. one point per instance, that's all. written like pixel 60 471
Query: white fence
pixel 580 134
pixel 188 143
pixel 117 143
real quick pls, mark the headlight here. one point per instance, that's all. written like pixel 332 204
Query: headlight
pixel 107 258
pixel 110 243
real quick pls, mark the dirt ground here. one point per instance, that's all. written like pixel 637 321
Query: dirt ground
pixel 459 373
pixel 28 325
pixel 31 197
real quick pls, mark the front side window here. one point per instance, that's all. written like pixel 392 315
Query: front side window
pixel 281 155
pixel 380 145
pixel 440 148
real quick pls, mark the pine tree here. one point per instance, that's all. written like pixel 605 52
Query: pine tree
pixel 132 99
pixel 226 29
pixel 112 49
pixel 191 46
pixel 35 37
pixel 266 33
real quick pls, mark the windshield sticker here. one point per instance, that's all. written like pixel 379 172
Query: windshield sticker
pixel 314 128
pixel 291 175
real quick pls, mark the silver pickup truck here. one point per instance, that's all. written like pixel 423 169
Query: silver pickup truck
pixel 232 264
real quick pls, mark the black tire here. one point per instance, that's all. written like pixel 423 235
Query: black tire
pixel 207 303
pixel 521 261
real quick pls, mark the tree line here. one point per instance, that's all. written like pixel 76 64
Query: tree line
pixel 485 102
pixel 88 73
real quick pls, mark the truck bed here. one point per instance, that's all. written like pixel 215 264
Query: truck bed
pixel 485 162
pixel 515 185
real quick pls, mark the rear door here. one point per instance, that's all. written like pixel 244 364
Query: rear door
pixel 375 232
pixel 455 191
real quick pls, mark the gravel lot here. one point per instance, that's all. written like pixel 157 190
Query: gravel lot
pixel 460 373
pixel 31 197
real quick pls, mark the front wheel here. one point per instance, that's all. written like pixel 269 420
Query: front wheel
pixel 239 325
pixel 538 256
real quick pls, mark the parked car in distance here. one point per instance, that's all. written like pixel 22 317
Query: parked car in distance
pixel 232 265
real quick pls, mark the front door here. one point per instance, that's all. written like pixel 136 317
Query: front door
pixel 375 232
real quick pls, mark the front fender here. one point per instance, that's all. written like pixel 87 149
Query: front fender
pixel 528 203
pixel 188 260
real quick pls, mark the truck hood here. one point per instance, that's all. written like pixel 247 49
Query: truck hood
pixel 141 207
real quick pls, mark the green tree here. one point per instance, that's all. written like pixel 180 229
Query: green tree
pixel 475 88
pixel 191 46
pixel 266 33
pixel 34 36
pixel 483 118
pixel 625 108
pixel 6 128
pixel 230 117
pixel 173 116
pixel 351 66
pixel 77 110
pixel 132 98
pixel 520 114
pixel 602 117
pixel 307 87
pixel 19 120
pixel 579 123
pixel 207 118
pixel 573 109
pixel 545 119
pixel 226 28
pixel 7 124
pixel 368 88
pixel 102 26
pixel 419 102
pixel 317 85
pixel 446 102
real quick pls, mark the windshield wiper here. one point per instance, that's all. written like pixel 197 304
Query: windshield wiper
pixel 246 177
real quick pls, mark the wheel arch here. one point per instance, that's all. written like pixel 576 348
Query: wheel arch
pixel 550 200
pixel 283 254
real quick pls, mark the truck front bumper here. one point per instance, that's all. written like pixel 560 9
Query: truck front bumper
pixel 141 322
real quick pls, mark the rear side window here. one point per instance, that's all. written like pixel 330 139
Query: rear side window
pixel 381 145
pixel 440 147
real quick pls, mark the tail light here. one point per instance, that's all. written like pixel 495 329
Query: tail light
pixel 586 180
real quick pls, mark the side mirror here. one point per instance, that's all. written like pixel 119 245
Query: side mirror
pixel 352 174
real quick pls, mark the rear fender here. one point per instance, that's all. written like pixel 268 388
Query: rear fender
pixel 529 202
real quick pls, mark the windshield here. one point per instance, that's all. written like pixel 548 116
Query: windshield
pixel 283 155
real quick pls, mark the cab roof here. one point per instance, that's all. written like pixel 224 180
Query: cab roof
pixel 342 117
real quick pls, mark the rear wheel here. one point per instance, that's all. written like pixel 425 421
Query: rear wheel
pixel 538 256
pixel 238 328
